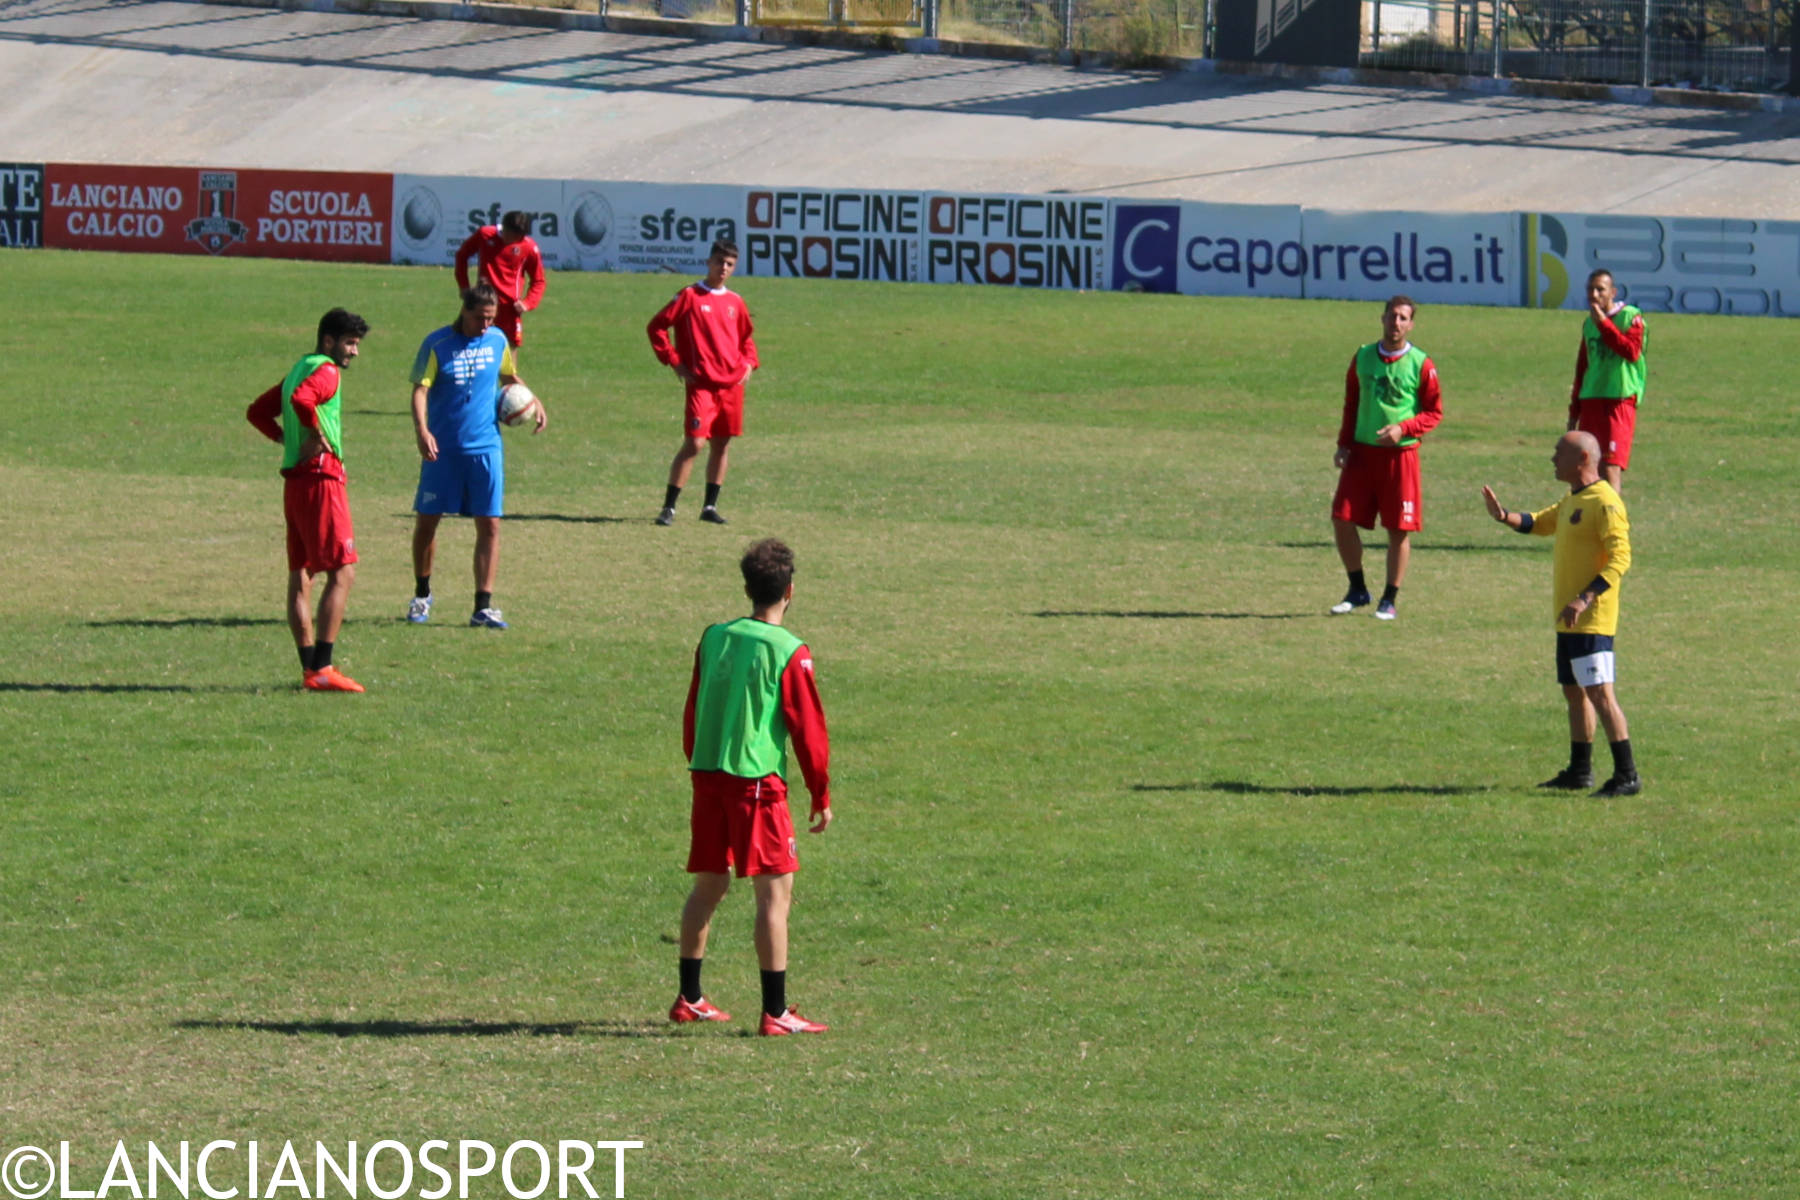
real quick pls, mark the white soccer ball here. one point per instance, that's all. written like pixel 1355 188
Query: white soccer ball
pixel 516 403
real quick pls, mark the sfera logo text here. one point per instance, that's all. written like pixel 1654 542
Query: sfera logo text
pixel 543 224
pixel 671 226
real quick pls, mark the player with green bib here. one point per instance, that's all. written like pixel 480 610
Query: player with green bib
pixel 1391 400
pixel 1610 373
pixel 304 414
pixel 752 694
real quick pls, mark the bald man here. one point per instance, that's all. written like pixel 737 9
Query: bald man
pixel 1593 552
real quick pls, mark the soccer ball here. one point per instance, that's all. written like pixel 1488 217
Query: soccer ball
pixel 516 403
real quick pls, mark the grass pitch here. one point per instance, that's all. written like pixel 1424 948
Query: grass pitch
pixel 1148 877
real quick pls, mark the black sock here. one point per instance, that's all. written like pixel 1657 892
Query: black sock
pixel 670 495
pixel 321 655
pixel 1581 757
pixel 483 600
pixel 421 586
pixel 1357 586
pixel 774 988
pixel 1389 592
pixel 306 653
pixel 712 494
pixel 1623 763
pixel 690 979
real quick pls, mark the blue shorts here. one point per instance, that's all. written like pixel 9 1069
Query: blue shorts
pixel 1584 658
pixel 462 485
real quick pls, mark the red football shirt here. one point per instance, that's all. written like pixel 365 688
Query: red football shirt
pixel 503 264
pixel 712 335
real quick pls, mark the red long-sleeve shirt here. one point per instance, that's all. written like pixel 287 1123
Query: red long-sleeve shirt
pixel 1627 344
pixel 801 711
pixel 502 264
pixel 1431 401
pixel 264 414
pixel 712 335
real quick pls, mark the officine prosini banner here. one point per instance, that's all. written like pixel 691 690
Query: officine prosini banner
pixel 825 234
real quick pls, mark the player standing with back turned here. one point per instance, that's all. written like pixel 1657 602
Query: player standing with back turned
pixel 752 692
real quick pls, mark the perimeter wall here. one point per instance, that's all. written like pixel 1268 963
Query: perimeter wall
pixel 1091 243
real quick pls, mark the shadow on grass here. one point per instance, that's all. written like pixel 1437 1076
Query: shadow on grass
pixel 565 518
pixel 1500 545
pixel 575 520
pixel 185 623
pixel 1239 787
pixel 107 689
pixel 1160 614
pixel 401 1029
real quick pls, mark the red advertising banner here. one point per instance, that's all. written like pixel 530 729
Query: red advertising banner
pixel 331 215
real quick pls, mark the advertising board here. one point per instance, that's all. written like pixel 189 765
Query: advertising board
pixel 1663 264
pixel 1439 258
pixel 21 205
pixel 434 214
pixel 1015 241
pixel 803 233
pixel 649 226
pixel 328 215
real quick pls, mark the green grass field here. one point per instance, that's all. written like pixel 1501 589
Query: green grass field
pixel 1148 878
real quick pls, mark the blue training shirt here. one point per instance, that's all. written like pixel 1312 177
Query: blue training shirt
pixel 463 374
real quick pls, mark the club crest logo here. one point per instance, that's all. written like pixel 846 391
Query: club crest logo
pixel 215 224
pixel 1575 517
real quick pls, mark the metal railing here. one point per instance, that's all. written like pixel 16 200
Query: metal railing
pixel 1728 45
pixel 1731 45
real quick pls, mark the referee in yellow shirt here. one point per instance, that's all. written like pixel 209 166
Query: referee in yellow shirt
pixel 1593 552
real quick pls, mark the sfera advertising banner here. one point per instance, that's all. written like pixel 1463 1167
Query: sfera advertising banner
pixel 435 214
pixel 1015 241
pixel 649 226
pixel 804 233
pixel 1207 249
pixel 327 215
pixel 1663 264
pixel 1441 258
pixel 21 205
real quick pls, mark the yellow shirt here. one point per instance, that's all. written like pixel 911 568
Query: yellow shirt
pixel 1592 538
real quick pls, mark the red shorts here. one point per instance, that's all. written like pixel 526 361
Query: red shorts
pixel 743 823
pixel 1612 422
pixel 510 321
pixel 715 411
pixel 1380 481
pixel 319 537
